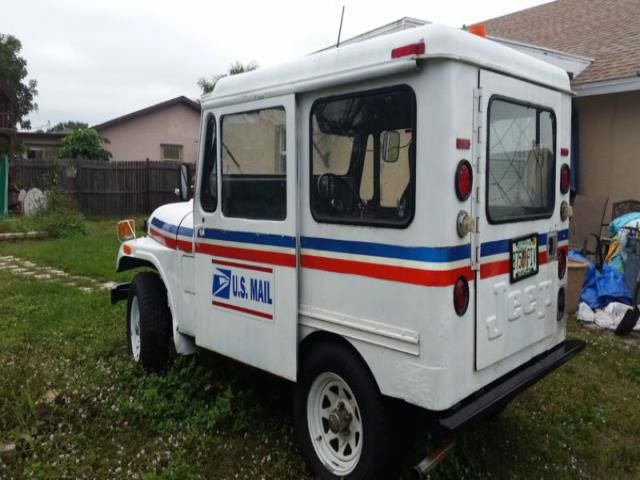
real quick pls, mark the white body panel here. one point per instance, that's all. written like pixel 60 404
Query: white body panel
pixel 387 291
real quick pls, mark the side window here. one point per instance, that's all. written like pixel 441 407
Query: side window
pixel 520 162
pixel 209 182
pixel 254 180
pixel 363 158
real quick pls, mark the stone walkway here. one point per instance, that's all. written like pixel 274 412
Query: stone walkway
pixel 25 268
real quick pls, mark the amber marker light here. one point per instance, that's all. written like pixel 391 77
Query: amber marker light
pixel 126 230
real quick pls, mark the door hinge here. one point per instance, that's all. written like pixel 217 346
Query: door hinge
pixel 477 98
pixel 475 260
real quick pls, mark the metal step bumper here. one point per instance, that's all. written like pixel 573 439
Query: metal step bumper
pixel 498 393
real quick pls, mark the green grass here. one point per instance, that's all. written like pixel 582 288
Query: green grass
pixel 12 224
pixel 206 418
pixel 92 254
pixel 209 417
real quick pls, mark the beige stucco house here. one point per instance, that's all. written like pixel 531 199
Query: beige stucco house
pixel 165 131
pixel 40 145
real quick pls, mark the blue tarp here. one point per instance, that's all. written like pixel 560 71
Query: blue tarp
pixel 601 288
pixel 619 222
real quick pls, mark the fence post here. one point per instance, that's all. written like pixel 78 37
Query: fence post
pixel 147 198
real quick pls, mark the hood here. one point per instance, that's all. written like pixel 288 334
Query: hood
pixel 171 224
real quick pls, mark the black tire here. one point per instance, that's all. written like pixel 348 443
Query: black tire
pixel 376 452
pixel 155 321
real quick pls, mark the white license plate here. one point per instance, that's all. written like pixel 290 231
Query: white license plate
pixel 523 256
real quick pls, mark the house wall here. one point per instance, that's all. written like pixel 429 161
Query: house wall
pixel 39 146
pixel 610 146
pixel 141 137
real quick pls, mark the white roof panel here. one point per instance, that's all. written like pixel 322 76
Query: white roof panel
pixel 372 58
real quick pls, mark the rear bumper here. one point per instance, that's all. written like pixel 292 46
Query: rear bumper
pixel 498 393
pixel 120 292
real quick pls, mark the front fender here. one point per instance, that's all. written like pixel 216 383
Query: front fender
pixel 146 252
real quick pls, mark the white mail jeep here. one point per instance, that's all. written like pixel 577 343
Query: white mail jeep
pixel 387 219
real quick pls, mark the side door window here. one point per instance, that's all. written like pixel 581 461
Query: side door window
pixel 209 181
pixel 254 180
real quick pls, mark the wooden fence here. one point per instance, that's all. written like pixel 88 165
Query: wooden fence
pixel 104 189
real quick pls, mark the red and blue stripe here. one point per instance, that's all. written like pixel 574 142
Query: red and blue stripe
pixel 427 266
pixel 418 265
pixel 494 255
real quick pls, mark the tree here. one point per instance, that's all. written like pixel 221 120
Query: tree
pixel 207 86
pixel 67 126
pixel 13 72
pixel 84 143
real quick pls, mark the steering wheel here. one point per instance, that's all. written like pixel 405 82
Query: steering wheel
pixel 324 190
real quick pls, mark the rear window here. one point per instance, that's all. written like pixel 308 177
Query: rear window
pixel 520 161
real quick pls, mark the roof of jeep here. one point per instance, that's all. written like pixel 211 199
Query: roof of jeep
pixel 372 57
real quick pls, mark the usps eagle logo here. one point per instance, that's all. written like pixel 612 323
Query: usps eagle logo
pixel 221 283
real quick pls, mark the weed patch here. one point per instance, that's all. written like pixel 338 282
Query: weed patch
pixel 59 216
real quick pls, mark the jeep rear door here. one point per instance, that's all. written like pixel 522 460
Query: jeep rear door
pixel 517 281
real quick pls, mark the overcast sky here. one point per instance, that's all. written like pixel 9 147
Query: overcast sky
pixel 98 59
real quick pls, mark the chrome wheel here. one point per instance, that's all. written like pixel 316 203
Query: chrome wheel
pixel 134 328
pixel 335 423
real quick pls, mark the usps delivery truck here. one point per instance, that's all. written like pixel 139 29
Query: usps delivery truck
pixel 383 220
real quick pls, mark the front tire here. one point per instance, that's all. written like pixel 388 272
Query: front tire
pixel 149 322
pixel 340 418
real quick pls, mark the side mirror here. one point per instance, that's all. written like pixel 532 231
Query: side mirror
pixel 390 143
pixel 184 182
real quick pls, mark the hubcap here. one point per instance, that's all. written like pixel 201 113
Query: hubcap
pixel 134 328
pixel 335 424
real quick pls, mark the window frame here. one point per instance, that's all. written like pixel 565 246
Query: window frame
pixel 221 162
pixel 172 145
pixel 539 109
pixel 209 115
pixel 412 160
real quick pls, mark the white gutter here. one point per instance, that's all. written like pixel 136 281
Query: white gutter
pixel 604 87
pixel 569 62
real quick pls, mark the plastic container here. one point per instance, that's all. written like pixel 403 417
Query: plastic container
pixel 575 279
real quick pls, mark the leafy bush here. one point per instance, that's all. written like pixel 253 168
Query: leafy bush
pixel 58 217
pixel 84 143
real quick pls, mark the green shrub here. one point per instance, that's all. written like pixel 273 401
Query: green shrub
pixel 11 225
pixel 58 217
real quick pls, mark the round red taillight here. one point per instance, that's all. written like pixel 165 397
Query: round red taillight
pixel 561 303
pixel 464 180
pixel 565 178
pixel 461 296
pixel 562 263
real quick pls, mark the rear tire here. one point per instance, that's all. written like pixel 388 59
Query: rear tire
pixel 149 327
pixel 340 419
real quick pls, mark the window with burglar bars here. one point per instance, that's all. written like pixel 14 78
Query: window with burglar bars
pixel 520 161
